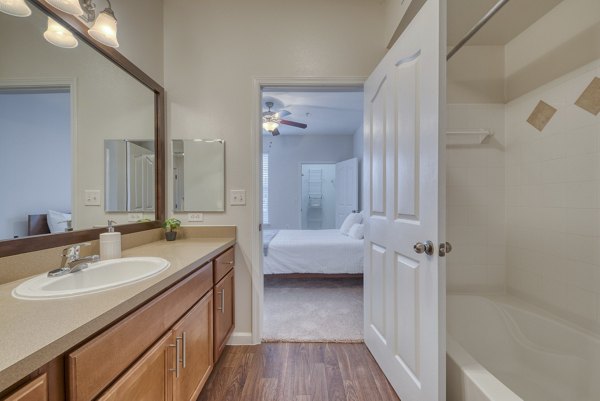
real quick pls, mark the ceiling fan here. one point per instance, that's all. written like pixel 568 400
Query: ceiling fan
pixel 272 120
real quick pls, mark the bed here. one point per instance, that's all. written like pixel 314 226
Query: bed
pixel 312 252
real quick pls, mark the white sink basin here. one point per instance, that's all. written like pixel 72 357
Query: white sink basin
pixel 100 276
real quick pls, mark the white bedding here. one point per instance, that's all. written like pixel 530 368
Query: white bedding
pixel 314 251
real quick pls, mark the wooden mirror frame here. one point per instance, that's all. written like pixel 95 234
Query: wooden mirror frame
pixel 35 243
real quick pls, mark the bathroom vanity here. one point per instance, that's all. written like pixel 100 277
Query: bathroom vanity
pixel 157 339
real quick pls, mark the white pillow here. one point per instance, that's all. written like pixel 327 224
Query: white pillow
pixel 357 231
pixel 352 219
pixel 57 221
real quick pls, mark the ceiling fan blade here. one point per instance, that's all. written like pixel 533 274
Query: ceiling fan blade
pixel 283 113
pixel 275 132
pixel 293 124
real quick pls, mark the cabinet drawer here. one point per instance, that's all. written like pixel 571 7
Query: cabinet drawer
pixel 35 390
pixel 97 363
pixel 223 264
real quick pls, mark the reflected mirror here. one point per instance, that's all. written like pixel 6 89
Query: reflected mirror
pixel 198 175
pixel 129 175
pixel 58 108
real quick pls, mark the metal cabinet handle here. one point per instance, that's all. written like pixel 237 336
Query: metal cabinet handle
pixel 222 307
pixel 229 263
pixel 177 348
pixel 426 248
pixel 183 358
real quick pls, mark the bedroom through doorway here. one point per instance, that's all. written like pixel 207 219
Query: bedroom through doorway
pixel 312 232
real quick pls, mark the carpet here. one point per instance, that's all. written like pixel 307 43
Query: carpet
pixel 313 310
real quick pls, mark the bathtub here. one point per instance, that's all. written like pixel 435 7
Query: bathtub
pixel 502 349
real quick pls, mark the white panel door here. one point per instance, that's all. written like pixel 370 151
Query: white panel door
pixel 404 203
pixel 346 189
pixel 140 178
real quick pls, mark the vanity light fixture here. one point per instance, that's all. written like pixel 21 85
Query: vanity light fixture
pixel 104 27
pixel 68 6
pixel 59 36
pixel 16 8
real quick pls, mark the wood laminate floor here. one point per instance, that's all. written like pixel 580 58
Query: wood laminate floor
pixel 297 372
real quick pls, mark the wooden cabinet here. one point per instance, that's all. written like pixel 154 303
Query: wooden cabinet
pixel 163 351
pixel 90 371
pixel 148 379
pixel 35 390
pixel 224 312
pixel 194 334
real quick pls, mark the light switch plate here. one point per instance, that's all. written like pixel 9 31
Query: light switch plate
pixel 91 197
pixel 134 217
pixel 238 197
pixel 195 217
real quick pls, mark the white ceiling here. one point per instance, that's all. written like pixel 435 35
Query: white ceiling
pixel 330 112
pixel 509 22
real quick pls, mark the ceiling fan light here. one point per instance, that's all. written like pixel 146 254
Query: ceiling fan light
pixel 104 29
pixel 16 8
pixel 59 36
pixel 68 6
pixel 270 125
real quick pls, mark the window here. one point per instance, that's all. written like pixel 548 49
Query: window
pixel 265 188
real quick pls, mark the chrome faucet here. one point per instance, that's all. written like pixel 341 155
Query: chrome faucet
pixel 72 262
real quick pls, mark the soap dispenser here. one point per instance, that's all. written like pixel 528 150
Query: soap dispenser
pixel 110 243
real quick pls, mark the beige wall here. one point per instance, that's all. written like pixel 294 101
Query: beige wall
pixel 566 38
pixel 476 75
pixel 214 49
pixel 140 25
pixel 394 10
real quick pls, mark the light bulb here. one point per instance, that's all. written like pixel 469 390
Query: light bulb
pixel 104 29
pixel 59 36
pixel 270 125
pixel 68 6
pixel 16 8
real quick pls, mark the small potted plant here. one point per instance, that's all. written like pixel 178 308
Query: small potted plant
pixel 171 225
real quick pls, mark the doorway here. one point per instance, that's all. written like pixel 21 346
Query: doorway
pixel 36 120
pixel 309 292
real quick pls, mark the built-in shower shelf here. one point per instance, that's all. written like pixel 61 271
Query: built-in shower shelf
pixel 467 136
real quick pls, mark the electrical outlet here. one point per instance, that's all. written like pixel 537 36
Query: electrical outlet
pixel 238 197
pixel 134 217
pixel 91 197
pixel 195 217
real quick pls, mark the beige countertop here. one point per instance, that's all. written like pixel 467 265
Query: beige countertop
pixel 32 333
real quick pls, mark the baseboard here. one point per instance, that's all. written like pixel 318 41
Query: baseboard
pixel 240 338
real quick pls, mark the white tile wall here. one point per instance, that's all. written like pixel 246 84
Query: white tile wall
pixel 553 200
pixel 476 201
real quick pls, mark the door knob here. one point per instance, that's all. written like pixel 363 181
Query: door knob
pixel 445 248
pixel 426 248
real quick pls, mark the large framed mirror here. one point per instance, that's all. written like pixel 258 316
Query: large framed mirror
pixel 82 136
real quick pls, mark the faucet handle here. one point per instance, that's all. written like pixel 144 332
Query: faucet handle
pixel 73 250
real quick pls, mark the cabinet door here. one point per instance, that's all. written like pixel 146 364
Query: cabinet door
pixel 195 335
pixel 36 390
pixel 224 318
pixel 150 379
